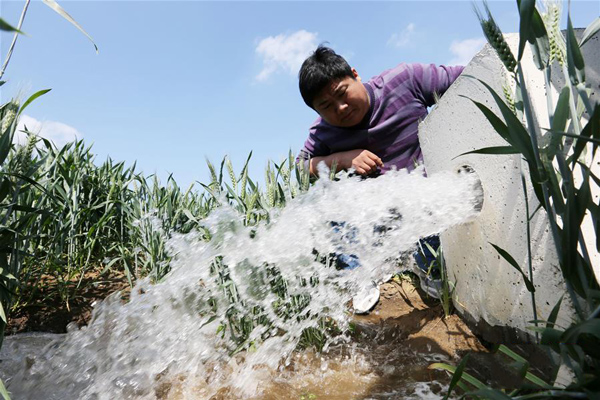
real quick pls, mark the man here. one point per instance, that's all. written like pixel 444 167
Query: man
pixel 372 126
pixel 369 127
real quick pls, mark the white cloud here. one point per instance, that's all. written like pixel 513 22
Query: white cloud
pixel 403 38
pixel 463 51
pixel 57 132
pixel 285 52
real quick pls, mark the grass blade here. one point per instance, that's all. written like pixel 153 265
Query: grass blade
pixel 559 121
pixel 465 376
pixel 516 134
pixel 590 31
pixel 515 265
pixel 3 314
pixel 497 150
pixel 591 132
pixel 529 376
pixel 554 314
pixel 457 375
pixel 3 391
pixel 526 9
pixel 5 26
pixel 575 63
pixel 32 98
pixel 537 37
pixel 56 7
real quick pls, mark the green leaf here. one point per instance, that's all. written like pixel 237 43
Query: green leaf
pixel 584 97
pixel 551 337
pixel 56 7
pixel 579 138
pixel 553 183
pixel 7 275
pixel 5 26
pixel 515 265
pixel 590 31
pixel 211 319
pixel 457 375
pixel 2 314
pixel 505 350
pixel 5 186
pixel 520 363
pixel 189 215
pixel 516 134
pixel 526 9
pixel 575 63
pixel 5 144
pixel 465 376
pixel 554 314
pixel 493 119
pixel 538 39
pixel 537 381
pixel 3 391
pixel 492 150
pixel 32 98
pixel 590 132
pixel 559 121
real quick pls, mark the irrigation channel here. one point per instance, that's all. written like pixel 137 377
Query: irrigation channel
pixel 179 339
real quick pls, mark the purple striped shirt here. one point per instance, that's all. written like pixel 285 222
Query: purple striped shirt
pixel 399 100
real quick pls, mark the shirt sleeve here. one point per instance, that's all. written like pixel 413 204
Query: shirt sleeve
pixel 430 80
pixel 313 147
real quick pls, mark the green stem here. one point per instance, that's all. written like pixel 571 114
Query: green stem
pixel 548 76
pixel 529 257
pixel 14 41
pixel 560 159
pixel 572 106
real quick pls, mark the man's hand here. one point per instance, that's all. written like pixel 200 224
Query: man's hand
pixel 363 161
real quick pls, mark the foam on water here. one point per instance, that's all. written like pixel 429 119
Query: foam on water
pixel 173 331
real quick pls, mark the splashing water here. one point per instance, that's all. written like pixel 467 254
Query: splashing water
pixel 227 319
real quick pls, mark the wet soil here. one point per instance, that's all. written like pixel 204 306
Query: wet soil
pixel 393 350
pixel 419 320
pixel 389 357
pixel 47 311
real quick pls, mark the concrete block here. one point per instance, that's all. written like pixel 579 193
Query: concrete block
pixel 488 289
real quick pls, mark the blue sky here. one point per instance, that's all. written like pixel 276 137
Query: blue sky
pixel 176 81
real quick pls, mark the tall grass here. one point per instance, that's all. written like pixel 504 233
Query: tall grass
pixel 15 181
pixel 110 216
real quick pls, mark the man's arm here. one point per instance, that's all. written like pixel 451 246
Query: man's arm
pixel 363 161
pixel 315 151
pixel 430 78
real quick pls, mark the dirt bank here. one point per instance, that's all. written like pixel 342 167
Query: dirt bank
pixel 46 311
pixel 419 320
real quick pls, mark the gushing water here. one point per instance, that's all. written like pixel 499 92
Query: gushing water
pixel 230 314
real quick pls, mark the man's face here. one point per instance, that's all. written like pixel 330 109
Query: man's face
pixel 343 102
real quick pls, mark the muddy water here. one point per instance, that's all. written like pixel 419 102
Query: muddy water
pixel 376 371
pixel 387 358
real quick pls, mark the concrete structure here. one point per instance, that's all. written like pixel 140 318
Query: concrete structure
pixel 488 289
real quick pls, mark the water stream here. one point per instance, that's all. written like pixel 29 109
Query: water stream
pixel 228 319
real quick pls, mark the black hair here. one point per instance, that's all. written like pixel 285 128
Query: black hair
pixel 319 70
